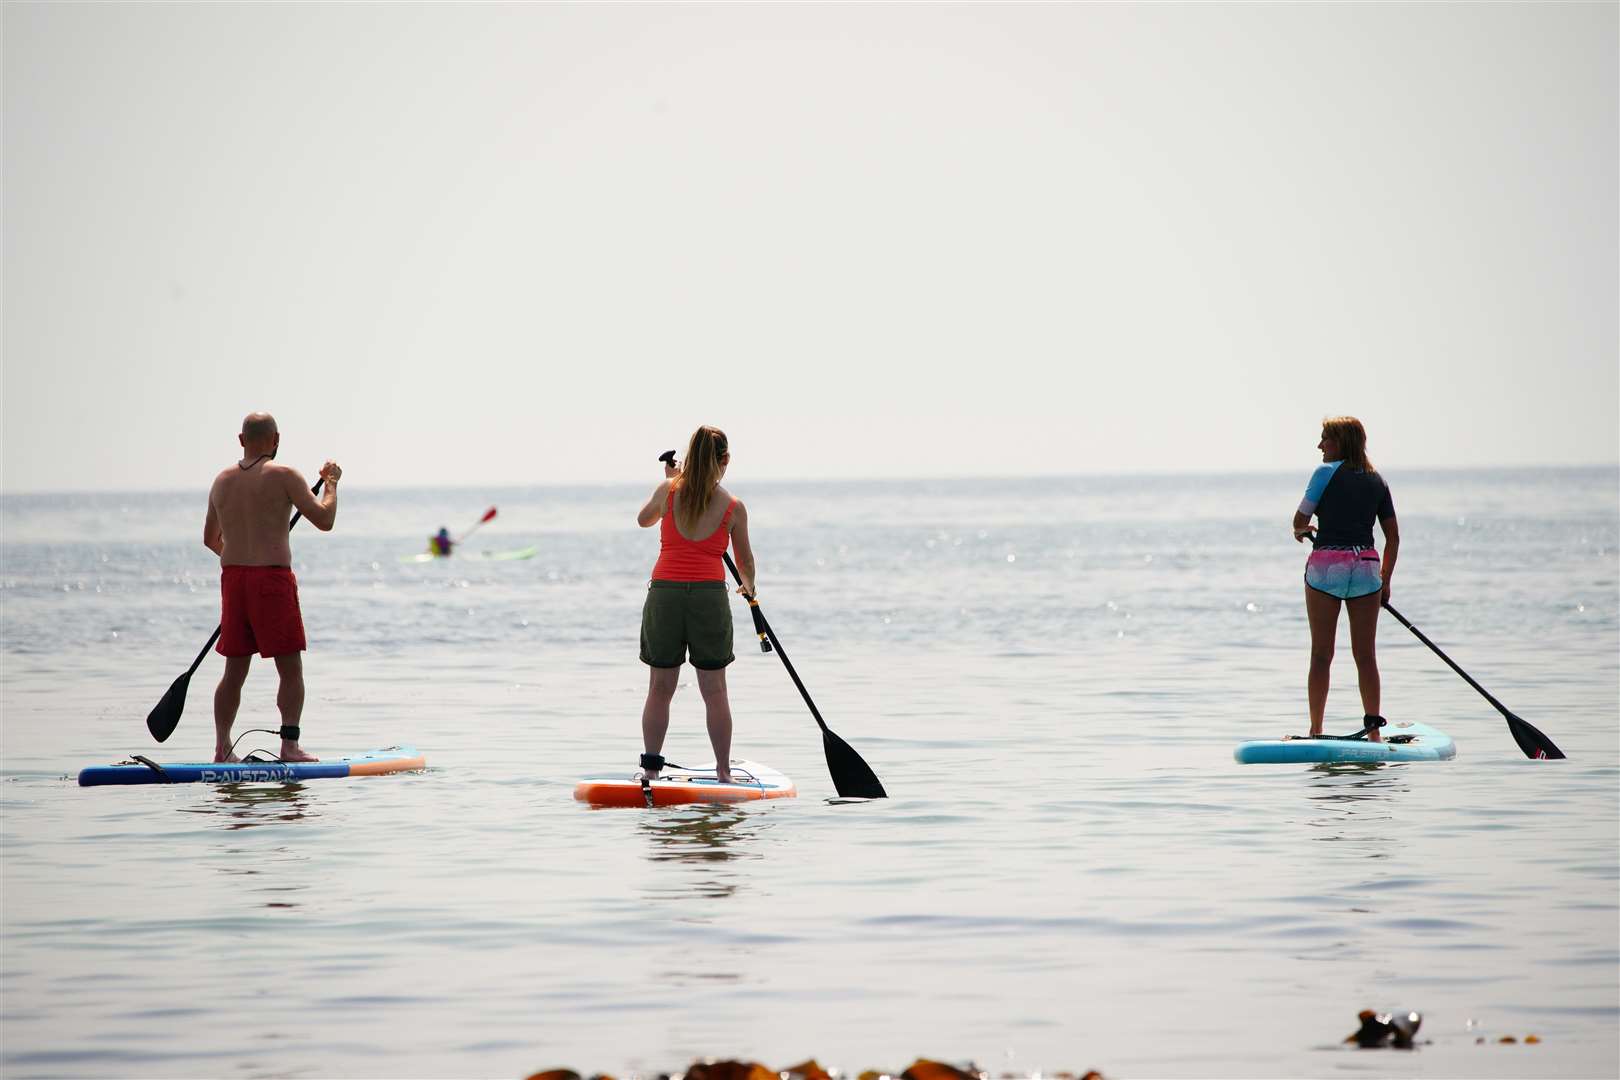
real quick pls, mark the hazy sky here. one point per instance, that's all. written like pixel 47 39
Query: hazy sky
pixel 540 243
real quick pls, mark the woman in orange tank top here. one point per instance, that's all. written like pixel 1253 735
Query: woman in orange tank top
pixel 688 608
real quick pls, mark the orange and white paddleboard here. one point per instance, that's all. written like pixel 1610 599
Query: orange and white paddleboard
pixel 676 787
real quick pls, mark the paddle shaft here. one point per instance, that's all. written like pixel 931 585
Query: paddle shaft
pixel 1469 679
pixel 488 516
pixel 1531 740
pixel 765 627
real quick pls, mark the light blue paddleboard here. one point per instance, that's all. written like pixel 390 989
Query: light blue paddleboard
pixel 1426 744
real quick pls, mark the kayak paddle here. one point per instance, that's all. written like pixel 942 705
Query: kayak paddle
pixel 1532 742
pixel 489 515
pixel 165 715
pixel 851 775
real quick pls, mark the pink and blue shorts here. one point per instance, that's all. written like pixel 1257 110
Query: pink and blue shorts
pixel 1344 572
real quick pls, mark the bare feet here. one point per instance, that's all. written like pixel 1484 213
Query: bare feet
pixel 223 755
pixel 291 751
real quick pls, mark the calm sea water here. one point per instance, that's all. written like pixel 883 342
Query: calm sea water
pixel 1049 675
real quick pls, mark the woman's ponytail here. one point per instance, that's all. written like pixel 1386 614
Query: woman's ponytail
pixel 699 475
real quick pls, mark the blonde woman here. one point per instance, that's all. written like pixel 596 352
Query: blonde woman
pixel 687 615
pixel 1346 495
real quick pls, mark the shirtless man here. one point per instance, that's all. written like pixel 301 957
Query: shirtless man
pixel 248 510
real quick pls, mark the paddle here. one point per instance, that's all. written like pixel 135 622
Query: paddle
pixel 165 715
pixel 1532 742
pixel 489 515
pixel 851 775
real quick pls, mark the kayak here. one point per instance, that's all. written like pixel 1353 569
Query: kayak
pixel 391 759
pixel 1405 741
pixel 476 556
pixel 678 787
pixel 506 556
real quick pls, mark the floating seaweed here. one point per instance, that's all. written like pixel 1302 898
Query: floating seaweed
pixel 1395 1030
pixel 921 1069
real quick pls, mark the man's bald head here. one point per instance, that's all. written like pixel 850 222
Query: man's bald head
pixel 259 435
pixel 258 426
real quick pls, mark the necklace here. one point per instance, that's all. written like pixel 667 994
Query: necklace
pixel 252 463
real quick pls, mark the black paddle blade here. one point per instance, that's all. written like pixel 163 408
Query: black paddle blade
pixel 851 775
pixel 1530 740
pixel 165 715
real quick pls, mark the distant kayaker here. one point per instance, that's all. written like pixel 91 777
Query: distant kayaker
pixel 248 510
pixel 1346 494
pixel 687 615
pixel 440 543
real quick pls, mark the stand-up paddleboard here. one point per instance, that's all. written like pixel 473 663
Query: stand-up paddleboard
pixel 675 787
pixel 476 556
pixel 372 763
pixel 1405 741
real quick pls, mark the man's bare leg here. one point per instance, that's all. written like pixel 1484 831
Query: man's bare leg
pixel 290 700
pixel 661 684
pixel 717 709
pixel 227 699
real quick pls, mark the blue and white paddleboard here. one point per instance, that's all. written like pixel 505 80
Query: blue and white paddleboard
pixel 372 763
pixel 1425 744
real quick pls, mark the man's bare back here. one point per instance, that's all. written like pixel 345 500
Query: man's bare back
pixel 250 509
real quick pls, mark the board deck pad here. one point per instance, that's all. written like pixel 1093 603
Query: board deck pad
pixel 680 787
pixel 1426 744
pixel 391 759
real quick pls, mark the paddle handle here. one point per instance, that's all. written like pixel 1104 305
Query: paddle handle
pixel 1469 679
pixel 765 630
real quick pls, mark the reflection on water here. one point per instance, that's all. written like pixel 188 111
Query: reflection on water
pixel 1354 781
pixel 248 806
pixel 706 838
pixel 1352 800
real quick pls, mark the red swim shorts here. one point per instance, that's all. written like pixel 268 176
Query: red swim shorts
pixel 259 612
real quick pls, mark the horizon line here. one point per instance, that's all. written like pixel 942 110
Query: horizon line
pixel 926 478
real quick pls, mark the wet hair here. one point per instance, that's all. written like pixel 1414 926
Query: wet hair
pixel 258 426
pixel 699 475
pixel 1352 439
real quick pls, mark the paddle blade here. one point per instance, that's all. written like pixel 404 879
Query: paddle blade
pixel 165 715
pixel 851 775
pixel 489 515
pixel 1530 740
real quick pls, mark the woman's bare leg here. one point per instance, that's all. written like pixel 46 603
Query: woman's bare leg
pixel 1363 611
pixel 717 708
pixel 661 684
pixel 1323 612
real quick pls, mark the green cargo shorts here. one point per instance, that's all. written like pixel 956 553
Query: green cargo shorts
pixel 682 615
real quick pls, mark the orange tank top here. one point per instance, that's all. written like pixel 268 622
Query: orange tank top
pixel 680 559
